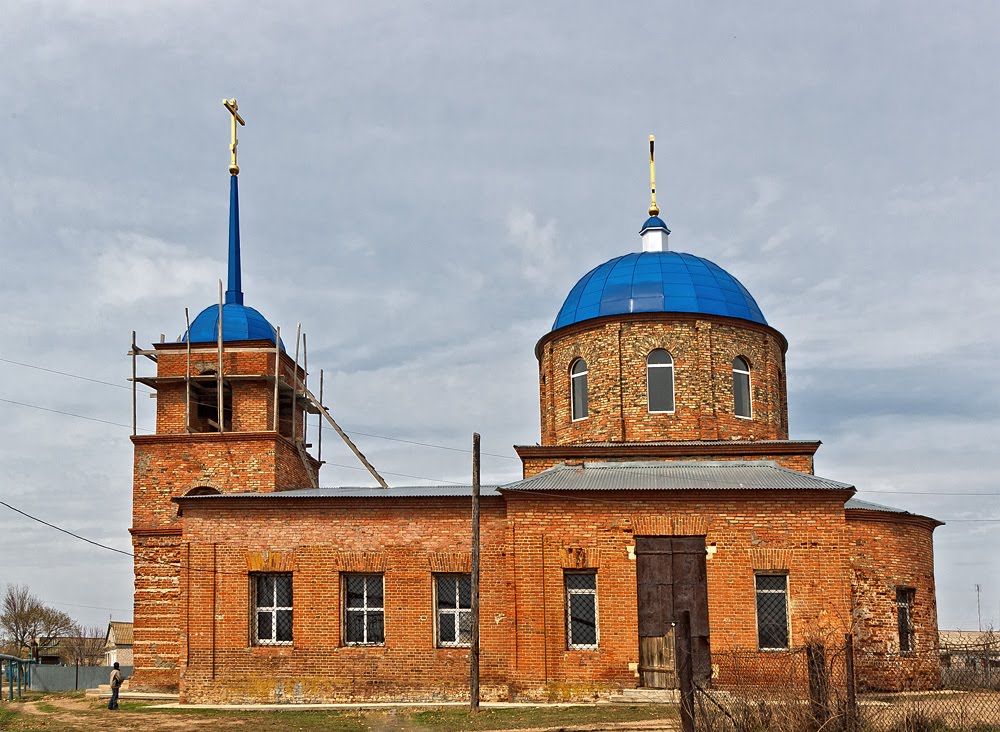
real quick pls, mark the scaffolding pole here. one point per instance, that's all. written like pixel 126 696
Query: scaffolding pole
pixel 187 374
pixel 218 376
pixel 277 373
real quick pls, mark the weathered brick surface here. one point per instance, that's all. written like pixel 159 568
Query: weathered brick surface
pixel 172 462
pixel 703 349
pixel 889 551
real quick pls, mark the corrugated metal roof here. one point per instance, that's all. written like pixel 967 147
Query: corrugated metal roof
pixel 417 491
pixel 688 475
pixel 853 502
pixel 120 633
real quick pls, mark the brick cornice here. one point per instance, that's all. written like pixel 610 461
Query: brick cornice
pixel 194 437
pixel 665 318
pixel 888 517
pixel 749 448
pixel 163 531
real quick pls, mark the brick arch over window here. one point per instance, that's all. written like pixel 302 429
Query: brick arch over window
pixel 203 490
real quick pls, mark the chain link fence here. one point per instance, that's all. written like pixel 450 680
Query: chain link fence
pixel 833 688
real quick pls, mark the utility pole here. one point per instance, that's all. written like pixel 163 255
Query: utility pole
pixel 979 612
pixel 474 624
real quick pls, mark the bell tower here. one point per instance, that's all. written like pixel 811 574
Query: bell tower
pixel 231 409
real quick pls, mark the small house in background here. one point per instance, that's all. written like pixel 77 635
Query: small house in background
pixel 118 643
pixel 69 650
pixel 970 657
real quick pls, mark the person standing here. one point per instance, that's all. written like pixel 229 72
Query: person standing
pixel 116 682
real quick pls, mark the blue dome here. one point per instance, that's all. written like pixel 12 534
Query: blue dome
pixel 654 222
pixel 658 282
pixel 239 323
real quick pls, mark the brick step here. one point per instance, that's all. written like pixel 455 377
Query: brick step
pixel 646 696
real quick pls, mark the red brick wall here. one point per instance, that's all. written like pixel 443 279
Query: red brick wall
pixel 703 349
pixel 890 551
pixel 527 546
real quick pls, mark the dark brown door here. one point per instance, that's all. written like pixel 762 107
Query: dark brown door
pixel 671 578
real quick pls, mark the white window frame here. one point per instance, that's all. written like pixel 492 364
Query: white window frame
pixel 749 388
pixel 788 614
pixel 569 620
pixel 673 391
pixel 572 386
pixel 272 609
pixel 454 613
pixel 365 609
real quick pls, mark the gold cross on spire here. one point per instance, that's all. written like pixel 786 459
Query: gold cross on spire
pixel 653 208
pixel 230 104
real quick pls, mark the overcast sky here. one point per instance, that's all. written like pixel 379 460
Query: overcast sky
pixel 422 183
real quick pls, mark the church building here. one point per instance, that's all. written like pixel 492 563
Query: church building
pixel 664 480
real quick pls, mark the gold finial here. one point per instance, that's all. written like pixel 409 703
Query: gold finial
pixel 653 209
pixel 230 104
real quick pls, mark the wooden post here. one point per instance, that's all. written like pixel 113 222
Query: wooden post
pixel 818 691
pixel 319 424
pixel 133 386
pixel 187 375
pixel 685 669
pixel 852 689
pixel 305 387
pixel 295 380
pixel 218 374
pixel 474 624
pixel 277 373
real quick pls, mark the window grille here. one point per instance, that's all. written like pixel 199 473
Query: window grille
pixel 660 381
pixel 272 609
pixel 578 388
pixel 454 609
pixel 741 388
pixel 581 610
pixel 904 618
pixel 772 611
pixel 364 609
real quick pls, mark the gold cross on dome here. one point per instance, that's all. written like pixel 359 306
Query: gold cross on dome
pixel 230 104
pixel 654 210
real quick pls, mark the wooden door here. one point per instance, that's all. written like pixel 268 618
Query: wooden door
pixel 670 577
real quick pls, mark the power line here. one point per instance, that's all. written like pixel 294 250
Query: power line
pixel 66 373
pixel 68 414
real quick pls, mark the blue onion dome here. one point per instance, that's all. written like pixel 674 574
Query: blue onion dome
pixel 658 282
pixel 239 323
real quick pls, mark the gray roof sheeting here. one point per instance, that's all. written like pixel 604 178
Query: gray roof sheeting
pixel 853 502
pixel 413 491
pixel 686 475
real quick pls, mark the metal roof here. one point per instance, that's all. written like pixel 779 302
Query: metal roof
pixel 687 475
pixel 414 491
pixel 853 502
pixel 657 282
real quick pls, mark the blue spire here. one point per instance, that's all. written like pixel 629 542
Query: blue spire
pixel 234 293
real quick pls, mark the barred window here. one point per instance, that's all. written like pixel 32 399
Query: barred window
pixel 772 611
pixel 364 610
pixel 660 381
pixel 578 388
pixel 904 618
pixel 454 609
pixel 741 388
pixel 581 610
pixel 272 618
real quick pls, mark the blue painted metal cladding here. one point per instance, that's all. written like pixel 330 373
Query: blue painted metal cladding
pixel 657 282
pixel 654 222
pixel 239 323
pixel 234 293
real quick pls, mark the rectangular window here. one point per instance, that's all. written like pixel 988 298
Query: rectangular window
pixel 454 609
pixel 904 618
pixel 772 611
pixel 272 600
pixel 364 610
pixel 581 610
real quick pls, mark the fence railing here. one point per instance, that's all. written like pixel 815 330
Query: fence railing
pixel 831 687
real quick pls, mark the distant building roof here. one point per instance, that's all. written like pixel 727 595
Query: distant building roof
pixel 119 633
pixel 686 475
pixel 951 639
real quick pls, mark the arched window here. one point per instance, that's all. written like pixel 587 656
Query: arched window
pixel 660 381
pixel 741 388
pixel 578 388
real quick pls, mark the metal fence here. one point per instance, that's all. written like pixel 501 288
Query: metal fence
pixel 832 688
